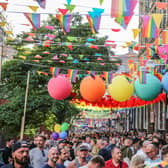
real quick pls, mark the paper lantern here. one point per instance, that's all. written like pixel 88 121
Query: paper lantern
pixel 150 90
pixel 57 128
pixel 63 135
pixel 165 82
pixel 120 89
pixel 64 127
pixel 92 88
pixel 55 135
pixel 59 88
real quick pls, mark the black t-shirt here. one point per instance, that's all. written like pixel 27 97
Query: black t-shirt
pixel 59 166
pixel 47 166
pixel 105 154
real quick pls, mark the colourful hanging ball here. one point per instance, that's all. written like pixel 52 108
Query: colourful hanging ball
pixel 149 90
pixel 120 89
pixel 165 82
pixel 92 88
pixel 59 88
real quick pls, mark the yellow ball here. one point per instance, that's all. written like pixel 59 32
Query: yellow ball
pixel 120 89
pixel 57 128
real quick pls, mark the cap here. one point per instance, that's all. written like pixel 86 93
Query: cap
pixel 62 141
pixel 19 144
pixel 83 147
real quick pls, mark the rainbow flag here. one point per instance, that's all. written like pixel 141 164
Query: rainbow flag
pixel 93 73
pixel 42 3
pixel 142 77
pixel 108 76
pixel 54 71
pixel 72 74
pixel 163 164
pixel 64 21
pixel 34 19
pixel 165 36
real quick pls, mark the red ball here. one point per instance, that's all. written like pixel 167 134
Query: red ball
pixel 59 88
pixel 92 89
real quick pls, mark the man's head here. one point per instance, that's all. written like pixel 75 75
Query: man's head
pixel 61 144
pixel 40 141
pixel 63 154
pixel 88 139
pixel 9 142
pixel 106 141
pixel 53 155
pixel 145 144
pixel 83 151
pixel 116 153
pixel 151 151
pixel 96 162
pixel 100 144
pixel 20 153
pixel 164 152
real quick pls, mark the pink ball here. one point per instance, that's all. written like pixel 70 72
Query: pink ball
pixel 59 88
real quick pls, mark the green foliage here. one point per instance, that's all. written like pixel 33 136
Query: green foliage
pixel 42 110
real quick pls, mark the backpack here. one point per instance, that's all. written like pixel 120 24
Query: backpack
pixel 1 155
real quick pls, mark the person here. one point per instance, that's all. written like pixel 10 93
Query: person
pixel 7 152
pixel 63 156
pixel 115 162
pixel 126 151
pixel 137 161
pixel 39 155
pixel 62 143
pixel 82 152
pixel 94 150
pixel 164 163
pixel 34 143
pixel 103 150
pixel 97 161
pixel 20 154
pixel 52 158
pixel 152 155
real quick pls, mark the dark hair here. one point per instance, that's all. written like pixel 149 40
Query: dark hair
pixel 115 147
pixel 98 160
pixel 164 150
pixel 60 150
pixel 42 136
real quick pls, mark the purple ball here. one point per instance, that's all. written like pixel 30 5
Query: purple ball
pixel 55 135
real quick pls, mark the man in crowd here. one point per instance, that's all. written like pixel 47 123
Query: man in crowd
pixel 152 155
pixel 96 162
pixel 61 144
pixel 7 152
pixel 63 156
pixel 39 155
pixel 82 153
pixel 116 162
pixel 103 151
pixel 52 158
pixel 20 154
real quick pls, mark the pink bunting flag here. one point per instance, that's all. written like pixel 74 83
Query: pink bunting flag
pixel 49 27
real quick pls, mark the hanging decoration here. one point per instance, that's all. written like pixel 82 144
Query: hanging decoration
pixel 34 19
pixel 33 8
pixel 72 74
pixel 108 76
pixel 54 71
pixel 4 5
pixel 64 20
pixel 165 36
pixel 42 3
pixel 94 19
pixel 161 5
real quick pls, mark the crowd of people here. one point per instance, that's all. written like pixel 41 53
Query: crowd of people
pixel 126 150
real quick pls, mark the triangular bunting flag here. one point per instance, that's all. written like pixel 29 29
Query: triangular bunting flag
pixel 157 18
pixel 8 32
pixel 42 3
pixel 34 19
pixel 68 2
pixel 161 5
pixel 33 8
pixel 2 24
pixel 4 5
pixel 135 32
pixel 70 7
pixel 101 2
pixel 63 11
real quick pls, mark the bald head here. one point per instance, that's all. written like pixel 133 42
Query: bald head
pixel 151 151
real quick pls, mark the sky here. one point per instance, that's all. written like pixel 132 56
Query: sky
pixel 16 8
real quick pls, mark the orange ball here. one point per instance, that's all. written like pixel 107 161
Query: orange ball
pixel 92 89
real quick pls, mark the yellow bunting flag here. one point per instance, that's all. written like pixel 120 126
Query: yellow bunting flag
pixel 157 18
pixel 8 32
pixel 2 24
pixel 135 32
pixel 23 57
pixel 33 8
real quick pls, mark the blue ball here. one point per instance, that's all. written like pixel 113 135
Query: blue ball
pixel 165 82
pixel 63 135
pixel 150 90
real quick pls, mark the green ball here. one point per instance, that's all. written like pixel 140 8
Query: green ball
pixel 150 90
pixel 64 126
